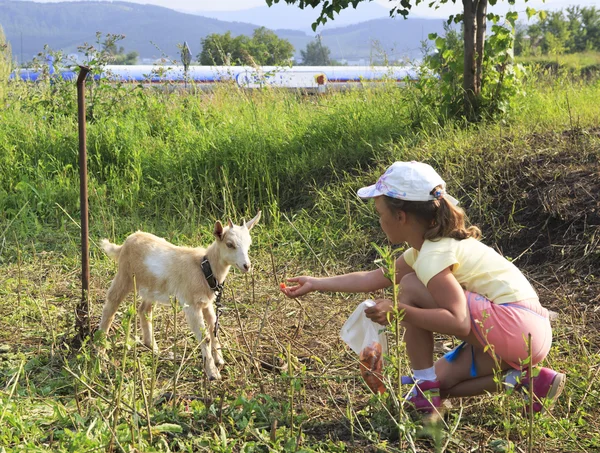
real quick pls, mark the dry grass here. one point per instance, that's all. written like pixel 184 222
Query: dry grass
pixel 330 402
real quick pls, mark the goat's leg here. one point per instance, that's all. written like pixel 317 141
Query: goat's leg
pixel 211 318
pixel 119 288
pixel 145 312
pixel 193 314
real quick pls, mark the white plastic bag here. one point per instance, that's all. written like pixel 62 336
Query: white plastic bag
pixel 367 339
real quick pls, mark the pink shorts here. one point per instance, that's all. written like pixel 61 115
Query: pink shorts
pixel 505 327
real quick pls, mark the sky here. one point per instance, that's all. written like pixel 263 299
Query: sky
pixel 421 10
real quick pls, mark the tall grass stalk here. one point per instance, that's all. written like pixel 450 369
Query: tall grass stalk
pixel 531 395
pixel 498 376
pixel 174 312
pixel 145 398
pixel 15 379
pixel 133 421
pixel 128 319
pixel 291 387
pixel 18 271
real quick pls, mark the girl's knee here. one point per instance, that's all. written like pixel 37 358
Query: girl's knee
pixel 414 293
pixel 410 289
pixel 409 281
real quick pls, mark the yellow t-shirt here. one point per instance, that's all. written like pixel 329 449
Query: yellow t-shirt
pixel 477 267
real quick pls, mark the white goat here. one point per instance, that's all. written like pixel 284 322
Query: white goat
pixel 162 270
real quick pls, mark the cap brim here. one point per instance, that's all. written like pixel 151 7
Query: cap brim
pixel 369 192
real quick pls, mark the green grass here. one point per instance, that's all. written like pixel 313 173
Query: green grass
pixel 575 61
pixel 174 163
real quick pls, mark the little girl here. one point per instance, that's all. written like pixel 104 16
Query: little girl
pixel 452 284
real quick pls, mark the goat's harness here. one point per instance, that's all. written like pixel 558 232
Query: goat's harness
pixel 215 286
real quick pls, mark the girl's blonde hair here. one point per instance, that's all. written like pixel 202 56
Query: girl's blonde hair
pixel 444 220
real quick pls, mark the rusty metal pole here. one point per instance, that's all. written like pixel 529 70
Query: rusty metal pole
pixel 82 321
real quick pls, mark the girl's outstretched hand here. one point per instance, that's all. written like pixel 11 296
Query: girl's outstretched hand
pixel 379 312
pixel 304 286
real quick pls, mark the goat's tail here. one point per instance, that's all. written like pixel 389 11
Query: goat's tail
pixel 112 250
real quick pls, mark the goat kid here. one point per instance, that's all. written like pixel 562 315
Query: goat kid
pixel 162 270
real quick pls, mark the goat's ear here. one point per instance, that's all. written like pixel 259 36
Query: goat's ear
pixel 250 223
pixel 229 223
pixel 218 230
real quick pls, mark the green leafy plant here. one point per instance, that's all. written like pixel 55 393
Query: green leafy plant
pixel 501 82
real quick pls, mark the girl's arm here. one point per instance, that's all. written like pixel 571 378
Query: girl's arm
pixel 443 308
pixel 451 316
pixel 355 282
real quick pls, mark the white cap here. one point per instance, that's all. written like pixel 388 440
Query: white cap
pixel 411 181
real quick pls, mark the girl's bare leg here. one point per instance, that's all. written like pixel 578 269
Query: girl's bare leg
pixel 419 342
pixel 455 377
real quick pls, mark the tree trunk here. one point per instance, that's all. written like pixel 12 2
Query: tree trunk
pixel 469 71
pixel 481 24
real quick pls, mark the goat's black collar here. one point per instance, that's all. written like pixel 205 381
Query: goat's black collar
pixel 216 287
pixel 210 278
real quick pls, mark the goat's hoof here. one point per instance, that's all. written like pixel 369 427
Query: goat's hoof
pixel 153 348
pixel 214 376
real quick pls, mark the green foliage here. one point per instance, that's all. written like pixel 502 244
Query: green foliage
pixel 445 62
pixel 276 145
pixel 315 54
pixel 503 77
pixel 105 51
pixel 501 80
pixel 222 49
pixel 5 62
pixel 116 54
pixel 264 48
pixel 475 103
pixel 55 96
pixel 574 30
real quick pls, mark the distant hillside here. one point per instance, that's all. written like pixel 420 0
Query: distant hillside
pixel 154 31
pixel 67 25
pixel 398 38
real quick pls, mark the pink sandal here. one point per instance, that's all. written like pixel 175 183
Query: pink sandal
pixel 547 386
pixel 427 398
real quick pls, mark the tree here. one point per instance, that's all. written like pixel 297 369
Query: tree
pixel 264 48
pixel 117 55
pixel 5 61
pixel 590 20
pixel 523 41
pixel 556 33
pixel 315 54
pixel 474 18
pixel 558 36
pixel 219 49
